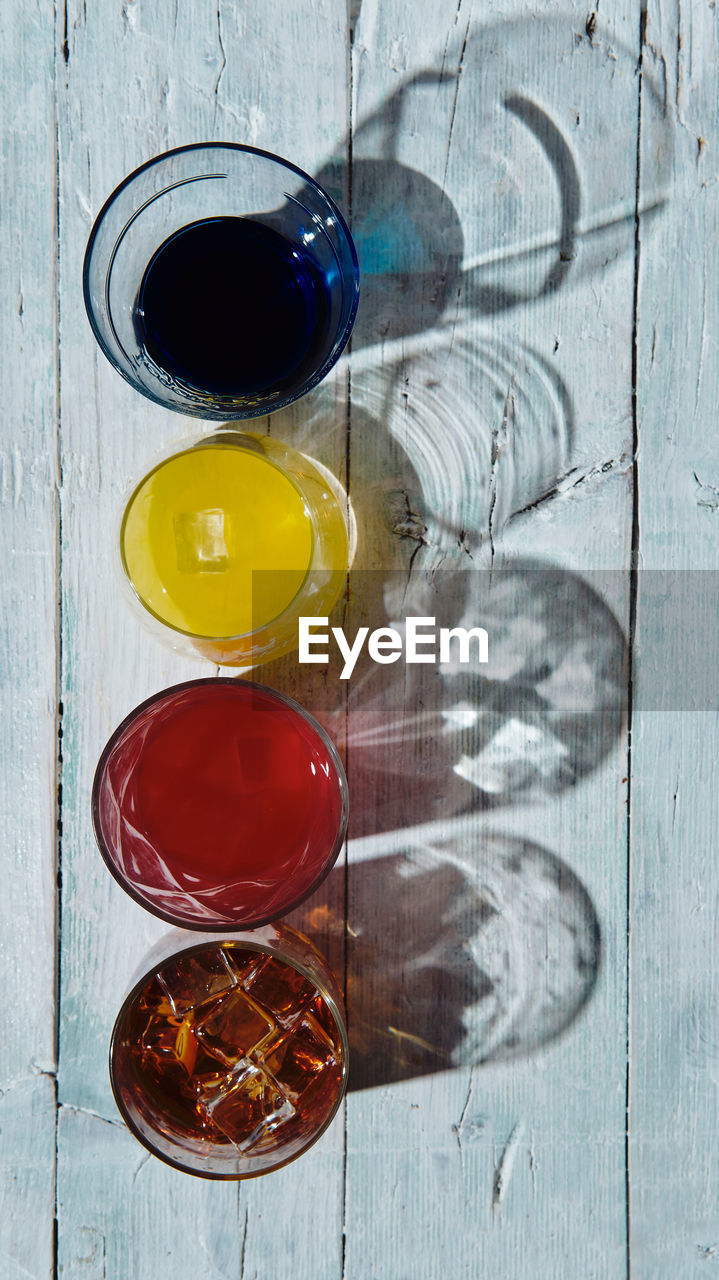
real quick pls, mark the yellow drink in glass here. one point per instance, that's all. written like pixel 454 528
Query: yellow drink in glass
pixel 230 541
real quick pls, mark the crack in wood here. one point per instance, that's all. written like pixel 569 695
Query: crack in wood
pixel 221 43
pixel 457 78
pixel 505 1165
pixel 65 48
pixel 244 1238
pixel 94 1115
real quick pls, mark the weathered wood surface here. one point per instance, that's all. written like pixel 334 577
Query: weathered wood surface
pixel 674 997
pixel 28 666
pixel 490 1151
pixel 534 201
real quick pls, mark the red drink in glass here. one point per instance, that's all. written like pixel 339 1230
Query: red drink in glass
pixel 219 802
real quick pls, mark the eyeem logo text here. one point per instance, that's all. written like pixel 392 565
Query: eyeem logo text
pixel 421 642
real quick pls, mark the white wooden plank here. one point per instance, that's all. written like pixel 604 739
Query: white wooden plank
pixel 171 73
pixel 673 1170
pixel 29 538
pixel 526 1159
pixel 546 1145
pixel 28 542
pixel 27 1184
pixel 122 1212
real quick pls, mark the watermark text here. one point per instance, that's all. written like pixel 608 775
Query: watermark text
pixel 419 641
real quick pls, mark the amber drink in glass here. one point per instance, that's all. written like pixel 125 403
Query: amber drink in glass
pixel 229 1058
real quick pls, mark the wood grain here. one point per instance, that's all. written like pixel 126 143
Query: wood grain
pixel 527 936
pixel 673 1102
pixel 503 1162
pixel 28 546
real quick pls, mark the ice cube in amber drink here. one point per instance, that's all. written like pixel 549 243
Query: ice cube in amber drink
pixel 248 1106
pixel 228 1060
pixel 233 1022
pixel 285 990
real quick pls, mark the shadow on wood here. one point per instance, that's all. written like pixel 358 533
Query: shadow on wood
pixel 427 740
pixel 461 951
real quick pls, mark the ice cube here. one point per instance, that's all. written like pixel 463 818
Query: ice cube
pixel 234 1027
pixel 320 1011
pixel 243 963
pixel 248 1106
pixel 160 1039
pixel 170 1059
pixel 153 1001
pixel 280 989
pixel 158 1061
pixel 190 980
pixel 200 541
pixel 298 1057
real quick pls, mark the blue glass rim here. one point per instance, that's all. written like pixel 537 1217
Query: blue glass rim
pixel 225 412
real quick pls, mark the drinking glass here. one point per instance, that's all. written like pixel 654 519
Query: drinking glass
pixel 219 803
pixel 221 281
pixel 229 1057
pixel 225 544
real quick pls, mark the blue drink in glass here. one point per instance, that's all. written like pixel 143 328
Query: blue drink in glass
pixel 230 306
pixel 221 281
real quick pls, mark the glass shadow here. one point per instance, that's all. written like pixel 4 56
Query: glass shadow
pixel 519 195
pixel 475 949
pixel 428 740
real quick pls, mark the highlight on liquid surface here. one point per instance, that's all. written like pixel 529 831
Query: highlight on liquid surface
pixel 217 541
pixel 220 803
pixel 228 305
pixel 231 1048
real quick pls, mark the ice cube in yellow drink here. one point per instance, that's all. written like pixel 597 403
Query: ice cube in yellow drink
pixel 199 530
